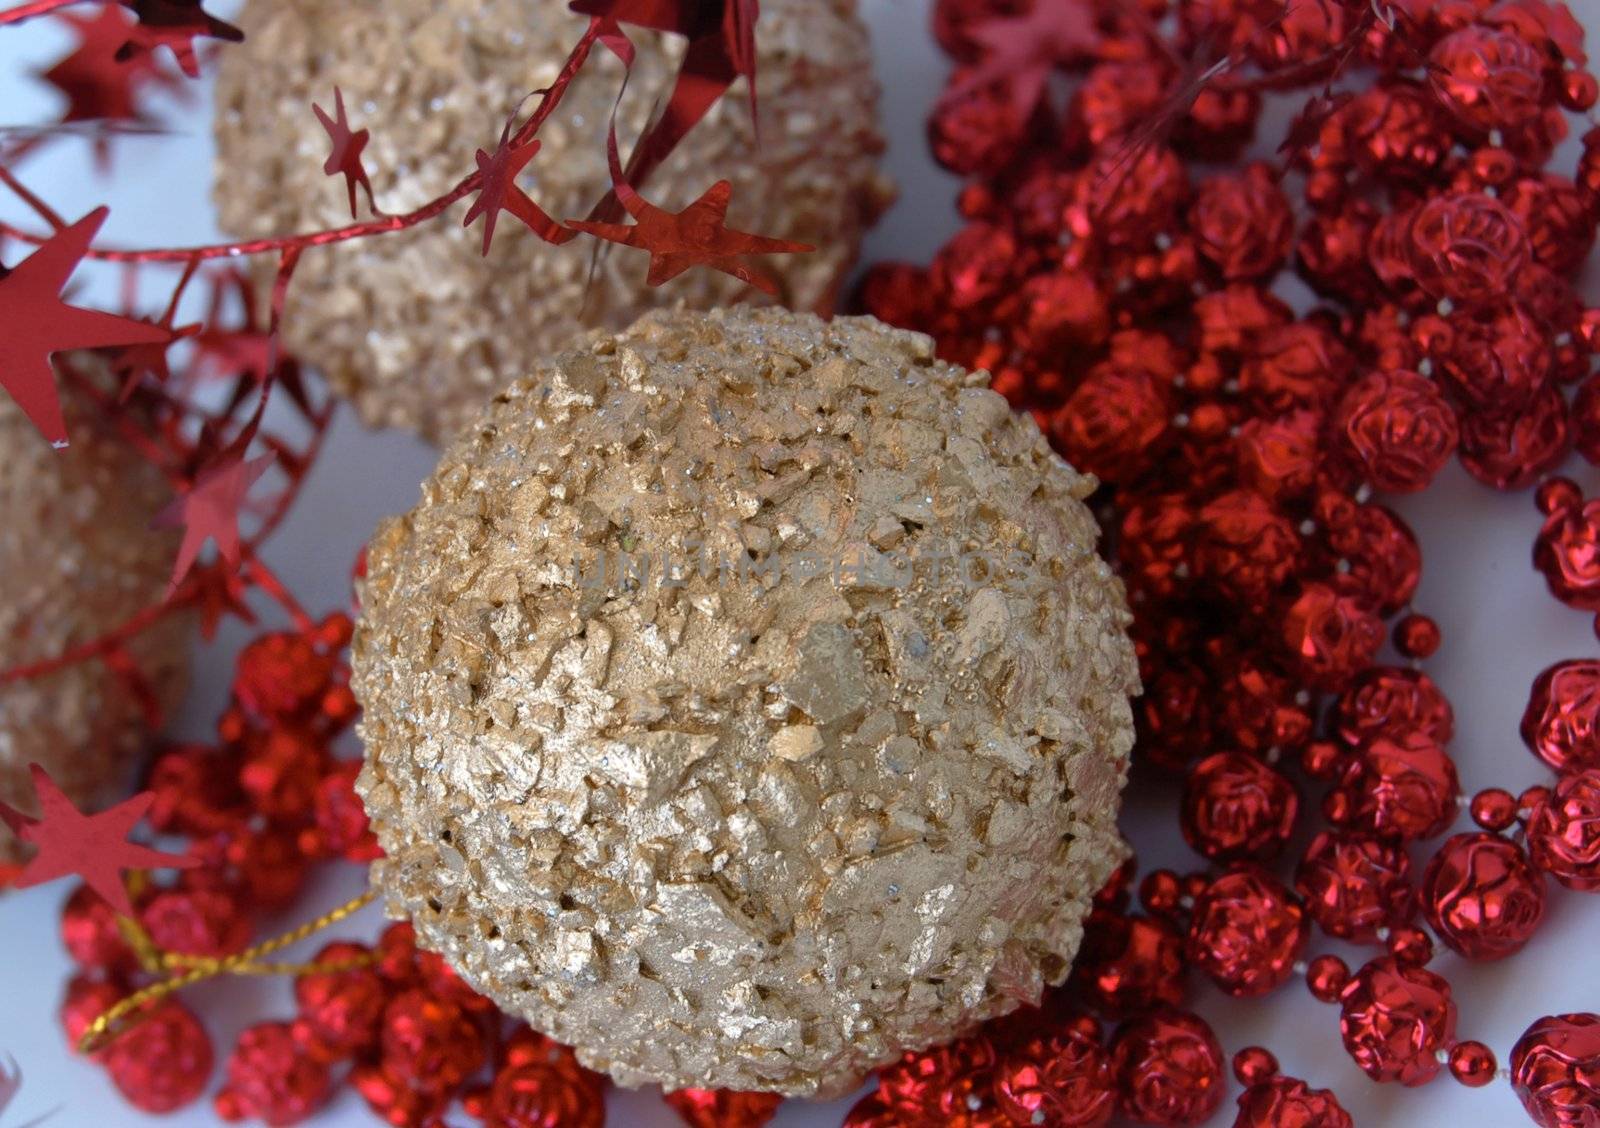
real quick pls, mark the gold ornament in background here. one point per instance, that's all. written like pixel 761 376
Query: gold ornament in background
pixel 416 327
pixel 821 765
pixel 78 559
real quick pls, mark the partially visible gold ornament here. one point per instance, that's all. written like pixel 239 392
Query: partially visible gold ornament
pixel 78 559
pixel 416 327
pixel 821 765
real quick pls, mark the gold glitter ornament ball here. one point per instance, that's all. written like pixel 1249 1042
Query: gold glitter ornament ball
pixel 416 327
pixel 78 559
pixel 823 767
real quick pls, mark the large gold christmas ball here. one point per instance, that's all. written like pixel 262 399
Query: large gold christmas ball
pixel 416 327
pixel 746 702
pixel 78 560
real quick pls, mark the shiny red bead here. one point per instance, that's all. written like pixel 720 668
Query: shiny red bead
pixel 281 676
pixel 1562 722
pixel 269 1079
pixel 1237 807
pixel 1331 637
pixel 1170 1069
pixel 1253 1065
pixel 1326 977
pixel 941 1085
pixel 539 1084
pixel 163 1062
pixel 1242 223
pixel 1355 885
pixel 1410 946
pixel 1128 964
pixel 698 1108
pixel 1555 1070
pixel 1472 1064
pixel 1392 701
pixel 1481 895
pixel 1063 1078
pixel 430 1042
pixel 1286 1102
pixel 1396 429
pixel 1394 1019
pixel 1417 636
pixel 1567 551
pixel 1466 248
pixel 340 1011
pixel 1494 809
pixel 1401 787
pixel 1564 831
pixel 1247 932
pixel 91 935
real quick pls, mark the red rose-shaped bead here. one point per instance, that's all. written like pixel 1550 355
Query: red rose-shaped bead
pixel 942 1085
pixel 1564 831
pixel 1586 420
pixel 539 1084
pixel 1332 253
pixel 1467 248
pixel 269 1079
pixel 1298 365
pixel 340 1010
pixel 1331 636
pixel 1390 700
pixel 1170 1069
pixel 711 1108
pixel 1247 931
pixel 1235 807
pixel 1562 722
pixel 1499 363
pixel 972 271
pixel 1397 429
pixel 1510 450
pixel 162 1062
pixel 1060 311
pixel 1555 1070
pixel 1112 420
pixel 430 1042
pixel 281 676
pixel 1396 132
pixel 1395 1019
pixel 1374 557
pixel 1481 896
pixel 1287 1102
pixel 975 129
pixel 1244 546
pixel 1242 223
pixel 282 770
pixel 1488 78
pixel 1129 964
pixel 1568 553
pixel 1401 787
pixel 1354 885
pixel 1062 1078
pixel 1278 456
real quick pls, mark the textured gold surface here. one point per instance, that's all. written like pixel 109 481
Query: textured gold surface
pixel 77 558
pixel 762 832
pixel 416 327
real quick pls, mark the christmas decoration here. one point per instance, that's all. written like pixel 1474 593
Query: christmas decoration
pixel 858 602
pixel 361 312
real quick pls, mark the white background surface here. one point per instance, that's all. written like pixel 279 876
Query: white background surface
pixel 1500 628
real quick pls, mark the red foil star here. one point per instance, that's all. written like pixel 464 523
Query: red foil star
pixel 697 236
pixel 174 24
pixel 98 87
pixel 94 847
pixel 344 156
pixel 210 510
pixel 35 323
pixel 500 192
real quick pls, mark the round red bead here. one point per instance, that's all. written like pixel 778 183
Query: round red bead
pixel 1562 722
pixel 1247 932
pixel 1564 831
pixel 1555 1070
pixel 1061 1078
pixel 698 1108
pixel 1394 1020
pixel 1326 977
pixel 163 1061
pixel 1235 806
pixel 1286 1102
pixel 1472 1064
pixel 1482 896
pixel 1169 1069
pixel 1353 884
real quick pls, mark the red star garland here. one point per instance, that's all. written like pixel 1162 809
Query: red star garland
pixel 35 323
pixel 210 511
pixel 94 847
pixel 500 192
pixel 346 146
pixel 697 236
pixel 174 24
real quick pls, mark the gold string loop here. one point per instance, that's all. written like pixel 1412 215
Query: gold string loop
pixel 183 970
